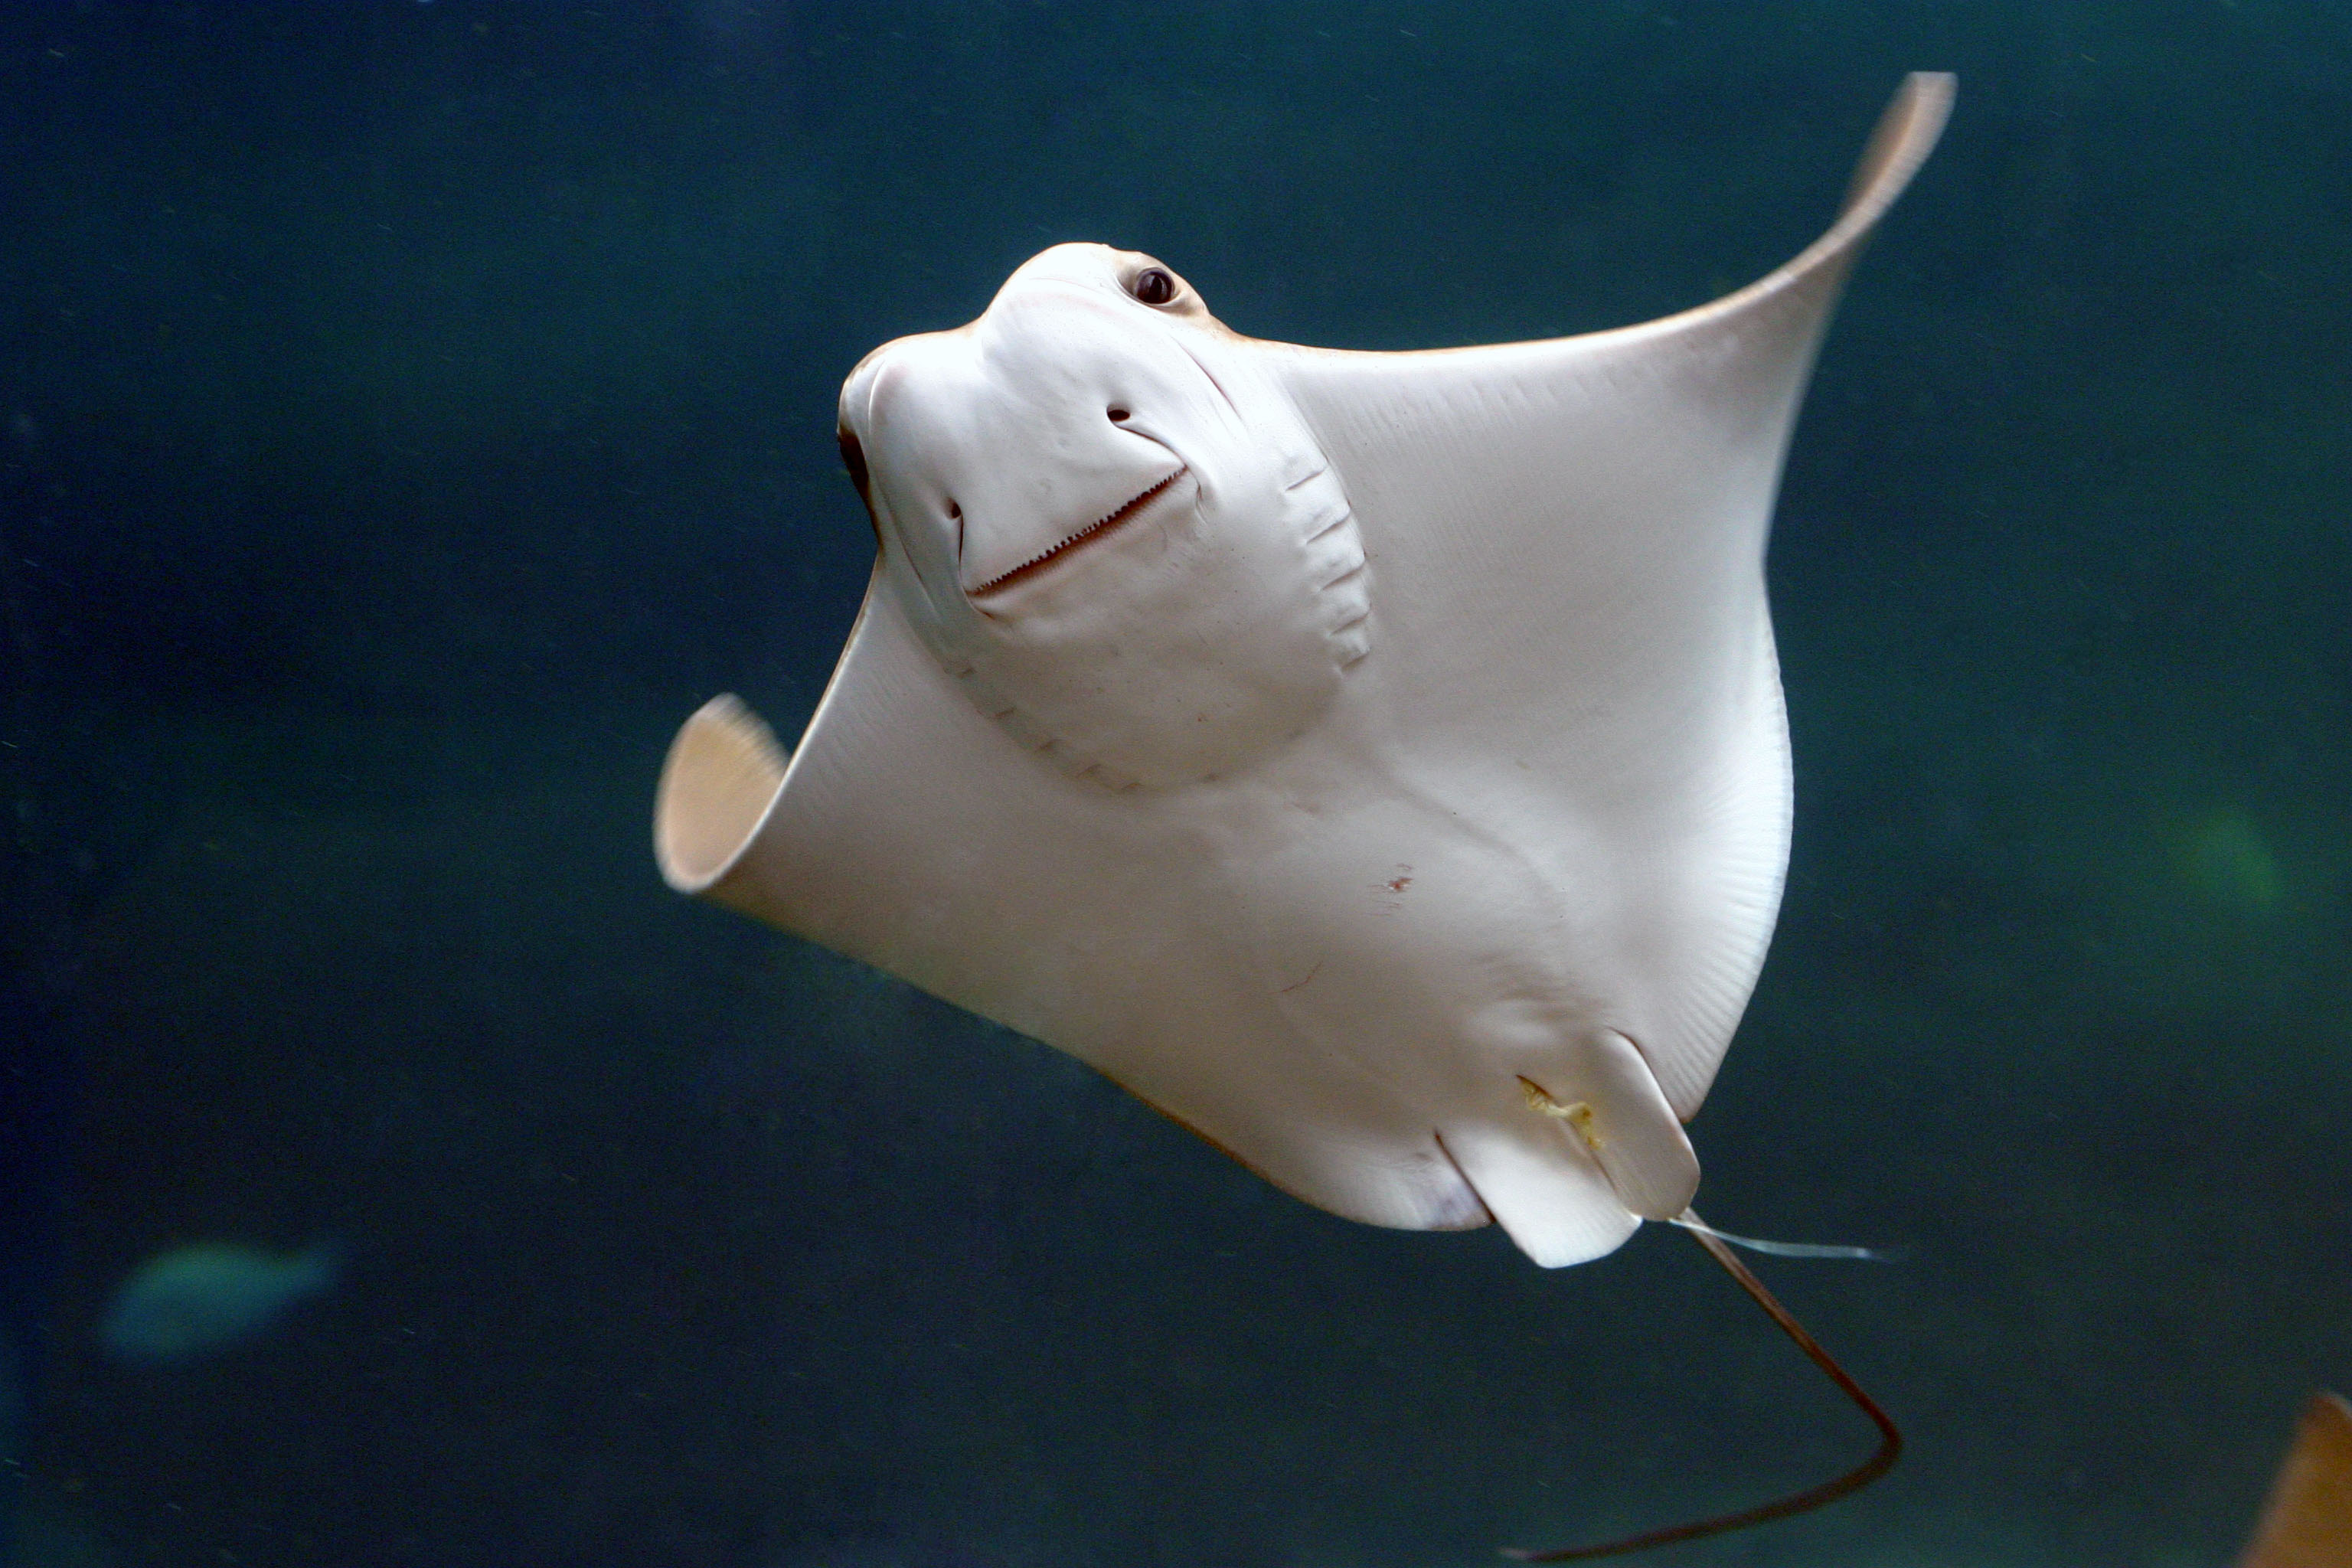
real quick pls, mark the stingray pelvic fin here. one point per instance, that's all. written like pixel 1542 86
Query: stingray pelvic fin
pixel 1623 1120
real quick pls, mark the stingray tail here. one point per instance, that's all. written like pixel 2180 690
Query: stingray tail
pixel 1890 1436
pixel 1692 1223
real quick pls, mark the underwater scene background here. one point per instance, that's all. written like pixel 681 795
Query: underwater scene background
pixel 410 412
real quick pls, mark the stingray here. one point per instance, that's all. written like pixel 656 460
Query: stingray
pixel 1374 761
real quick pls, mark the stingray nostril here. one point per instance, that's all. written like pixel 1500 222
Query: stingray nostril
pixel 955 515
pixel 1117 416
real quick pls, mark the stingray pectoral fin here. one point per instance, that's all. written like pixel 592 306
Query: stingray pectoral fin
pixel 1566 542
pixel 904 831
pixel 724 771
pixel 1907 133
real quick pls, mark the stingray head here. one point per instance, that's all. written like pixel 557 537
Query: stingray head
pixel 1005 452
pixel 1101 521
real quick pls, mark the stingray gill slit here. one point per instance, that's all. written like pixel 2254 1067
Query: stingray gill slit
pixel 1087 535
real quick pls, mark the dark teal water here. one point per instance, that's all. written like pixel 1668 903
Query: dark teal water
pixel 408 413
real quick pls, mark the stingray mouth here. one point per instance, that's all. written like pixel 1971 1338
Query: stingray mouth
pixel 1093 533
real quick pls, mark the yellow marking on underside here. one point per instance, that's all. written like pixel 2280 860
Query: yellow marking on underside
pixel 1576 1114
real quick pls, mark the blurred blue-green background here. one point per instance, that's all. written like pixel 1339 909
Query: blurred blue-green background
pixel 410 412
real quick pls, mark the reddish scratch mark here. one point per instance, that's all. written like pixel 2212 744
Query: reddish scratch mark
pixel 1401 884
pixel 1311 974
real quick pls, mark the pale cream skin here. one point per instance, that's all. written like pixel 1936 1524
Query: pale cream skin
pixel 1374 761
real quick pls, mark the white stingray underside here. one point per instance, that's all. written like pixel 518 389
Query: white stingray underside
pixel 1538 838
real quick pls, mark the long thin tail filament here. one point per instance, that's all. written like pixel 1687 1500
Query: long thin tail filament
pixel 1890 1438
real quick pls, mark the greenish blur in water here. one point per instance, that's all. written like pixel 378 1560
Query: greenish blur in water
pixel 409 412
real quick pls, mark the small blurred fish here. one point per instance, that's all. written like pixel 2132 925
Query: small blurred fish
pixel 188 1302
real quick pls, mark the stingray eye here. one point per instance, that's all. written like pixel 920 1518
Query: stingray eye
pixel 1119 415
pixel 1153 286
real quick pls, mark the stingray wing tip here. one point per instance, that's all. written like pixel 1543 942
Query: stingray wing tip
pixel 723 772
